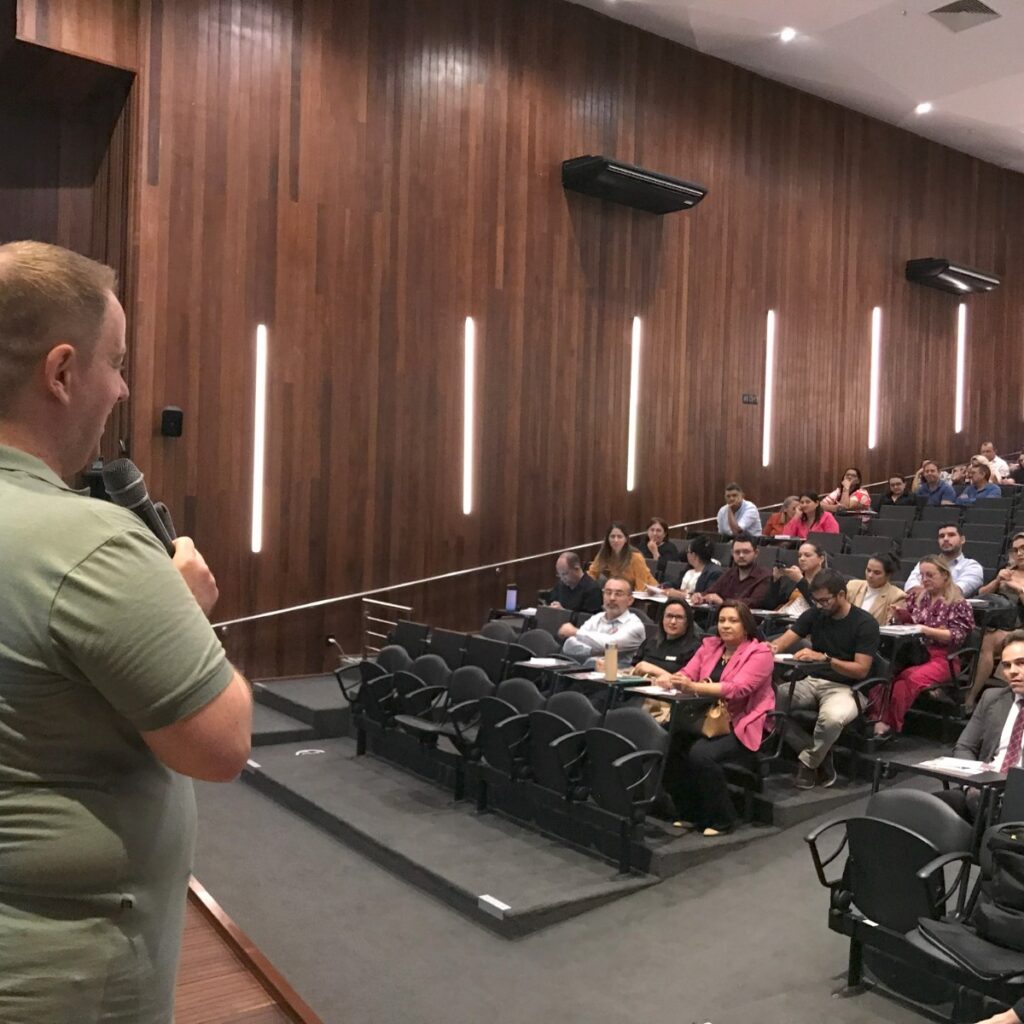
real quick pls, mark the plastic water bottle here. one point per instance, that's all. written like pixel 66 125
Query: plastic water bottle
pixel 611 663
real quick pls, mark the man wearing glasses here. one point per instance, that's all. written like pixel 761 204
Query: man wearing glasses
pixel 575 591
pixel 844 641
pixel 616 624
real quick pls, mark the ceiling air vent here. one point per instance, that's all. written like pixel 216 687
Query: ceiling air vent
pixel 964 14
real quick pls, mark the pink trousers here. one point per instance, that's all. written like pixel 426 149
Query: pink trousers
pixel 907 685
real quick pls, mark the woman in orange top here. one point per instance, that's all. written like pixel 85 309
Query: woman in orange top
pixel 778 521
pixel 617 558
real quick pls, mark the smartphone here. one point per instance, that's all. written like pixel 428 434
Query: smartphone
pixel 511 598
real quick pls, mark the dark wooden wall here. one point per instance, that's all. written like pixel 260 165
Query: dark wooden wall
pixel 363 174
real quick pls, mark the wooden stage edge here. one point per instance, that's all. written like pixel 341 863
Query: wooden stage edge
pixel 224 978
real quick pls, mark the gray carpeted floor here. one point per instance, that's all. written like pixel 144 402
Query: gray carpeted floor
pixel 737 939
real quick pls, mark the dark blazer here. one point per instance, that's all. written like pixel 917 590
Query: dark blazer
pixel 980 739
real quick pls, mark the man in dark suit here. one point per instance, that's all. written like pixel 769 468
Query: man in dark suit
pixel 995 733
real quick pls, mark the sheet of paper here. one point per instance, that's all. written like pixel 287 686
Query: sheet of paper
pixel 956 766
pixel 543 662
pixel 900 630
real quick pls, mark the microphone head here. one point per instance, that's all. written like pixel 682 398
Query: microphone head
pixel 124 483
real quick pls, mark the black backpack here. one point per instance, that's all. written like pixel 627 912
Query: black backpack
pixel 999 914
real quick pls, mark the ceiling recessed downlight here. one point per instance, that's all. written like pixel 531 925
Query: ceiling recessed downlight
pixel 787 35
pixel 923 108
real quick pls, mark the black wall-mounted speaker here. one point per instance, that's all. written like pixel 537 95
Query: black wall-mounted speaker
pixel 172 419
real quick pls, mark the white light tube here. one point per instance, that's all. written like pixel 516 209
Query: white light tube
pixel 468 383
pixel 961 359
pixel 876 369
pixel 634 401
pixel 259 440
pixel 769 387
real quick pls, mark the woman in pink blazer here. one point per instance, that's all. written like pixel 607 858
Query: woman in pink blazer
pixel 736 667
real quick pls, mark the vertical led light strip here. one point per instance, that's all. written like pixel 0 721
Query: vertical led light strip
pixel 259 440
pixel 876 370
pixel 468 384
pixel 961 359
pixel 769 387
pixel 634 402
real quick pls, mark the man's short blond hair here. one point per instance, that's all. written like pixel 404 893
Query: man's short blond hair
pixel 48 295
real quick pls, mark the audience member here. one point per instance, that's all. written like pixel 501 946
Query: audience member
pixel 844 642
pixel 967 573
pixel 575 591
pixel 738 515
pixel 1008 585
pixel 658 547
pixel 744 580
pixel 994 733
pixel 778 521
pixel 812 517
pixel 616 558
pixel 677 641
pixel 615 624
pixel 849 496
pixel 875 594
pixel 1014 1015
pixel 790 588
pixel 896 493
pixel 945 619
pixel 928 484
pixel 703 570
pixel 1000 470
pixel 734 667
pixel 980 485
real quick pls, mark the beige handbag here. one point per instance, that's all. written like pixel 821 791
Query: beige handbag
pixel 717 722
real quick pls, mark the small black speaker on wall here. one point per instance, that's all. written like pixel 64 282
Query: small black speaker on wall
pixel 171 420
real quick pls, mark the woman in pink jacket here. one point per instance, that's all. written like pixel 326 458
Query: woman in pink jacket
pixel 736 667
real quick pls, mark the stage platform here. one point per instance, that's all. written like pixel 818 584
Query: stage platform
pixel 510 878
pixel 313 704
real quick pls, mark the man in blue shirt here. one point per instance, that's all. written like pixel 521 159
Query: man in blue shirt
pixel 981 486
pixel 933 488
pixel 737 515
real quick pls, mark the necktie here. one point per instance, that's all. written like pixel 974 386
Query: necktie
pixel 1016 736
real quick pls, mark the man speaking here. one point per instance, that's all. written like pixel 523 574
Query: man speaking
pixel 113 685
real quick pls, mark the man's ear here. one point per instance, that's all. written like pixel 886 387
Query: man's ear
pixel 60 367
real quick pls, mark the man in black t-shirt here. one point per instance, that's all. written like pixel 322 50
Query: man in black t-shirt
pixel 575 591
pixel 844 642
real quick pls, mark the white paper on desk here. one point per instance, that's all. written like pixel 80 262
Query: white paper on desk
pixel 543 662
pixel 956 766
pixel 528 611
pixel 653 691
pixel 646 595
pixel 900 630
pixel 785 658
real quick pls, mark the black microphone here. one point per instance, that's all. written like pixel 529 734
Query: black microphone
pixel 126 487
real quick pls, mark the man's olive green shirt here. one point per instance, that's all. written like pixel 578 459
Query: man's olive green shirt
pixel 100 639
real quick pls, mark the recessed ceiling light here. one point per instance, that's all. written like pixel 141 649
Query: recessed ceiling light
pixel 787 35
pixel 923 108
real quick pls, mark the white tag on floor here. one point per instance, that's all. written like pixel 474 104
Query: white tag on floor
pixel 493 906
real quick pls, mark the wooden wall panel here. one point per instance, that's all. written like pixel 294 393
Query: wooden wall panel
pixel 101 30
pixel 362 174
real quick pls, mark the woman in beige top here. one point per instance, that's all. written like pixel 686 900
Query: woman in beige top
pixel 875 594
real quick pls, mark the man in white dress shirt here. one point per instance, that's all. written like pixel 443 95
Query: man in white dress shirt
pixel 616 624
pixel 738 515
pixel 1000 470
pixel 966 572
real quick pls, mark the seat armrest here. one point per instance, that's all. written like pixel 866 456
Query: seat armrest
pixel 820 864
pixel 419 702
pixel 959 883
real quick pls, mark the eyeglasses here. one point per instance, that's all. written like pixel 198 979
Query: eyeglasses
pixel 615 593
pixel 1017 548
pixel 824 602
pixel 672 617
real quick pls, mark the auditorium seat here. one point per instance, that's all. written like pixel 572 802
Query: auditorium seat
pixel 981 515
pixel 449 644
pixel 489 655
pixel 552 619
pixel 915 548
pixel 504 727
pixel 499 630
pixel 936 515
pixel 893 873
pixel 851 566
pixel 539 642
pixel 987 554
pixel 557 742
pixel 674 573
pixel 625 762
pixel 901 513
pixel 410 635
pixel 723 552
pixel 895 529
pixel 985 533
pixel 833 543
pixel 872 545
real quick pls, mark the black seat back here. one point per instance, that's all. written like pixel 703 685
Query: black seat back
pixel 552 619
pixel 448 644
pixel 410 635
pixel 557 740
pixel 431 669
pixel 496 629
pixel 624 788
pixel 521 694
pixel 393 658
pixel 539 642
pixel 489 655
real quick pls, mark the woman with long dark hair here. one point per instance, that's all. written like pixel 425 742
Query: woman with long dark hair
pixel 616 558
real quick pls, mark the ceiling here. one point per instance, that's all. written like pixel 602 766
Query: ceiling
pixel 875 56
